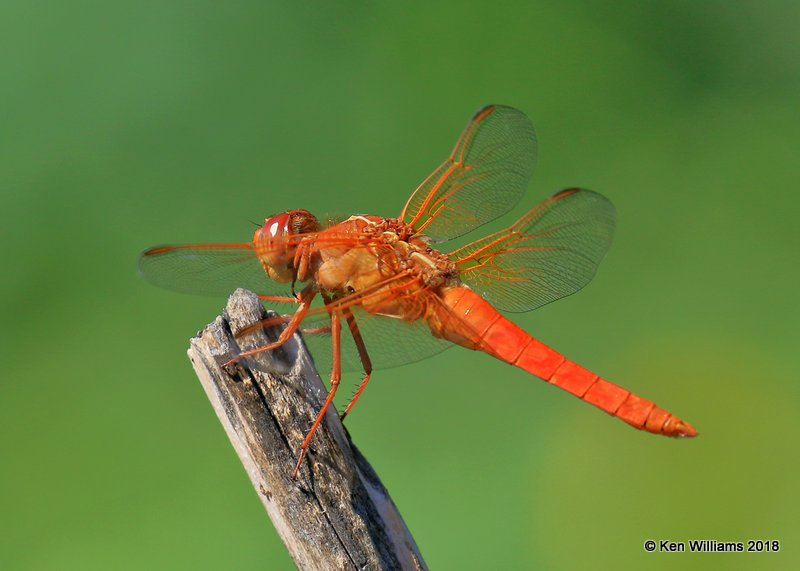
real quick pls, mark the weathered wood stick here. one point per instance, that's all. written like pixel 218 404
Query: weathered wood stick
pixel 337 515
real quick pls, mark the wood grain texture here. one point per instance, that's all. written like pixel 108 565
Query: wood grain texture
pixel 337 515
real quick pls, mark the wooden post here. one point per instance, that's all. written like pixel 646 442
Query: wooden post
pixel 337 515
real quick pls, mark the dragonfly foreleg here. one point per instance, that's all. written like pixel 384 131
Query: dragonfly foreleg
pixel 263 324
pixel 281 298
pixel 304 303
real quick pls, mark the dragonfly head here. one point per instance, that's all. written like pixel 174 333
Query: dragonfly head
pixel 276 242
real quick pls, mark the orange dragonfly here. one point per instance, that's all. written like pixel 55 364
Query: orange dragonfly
pixel 379 274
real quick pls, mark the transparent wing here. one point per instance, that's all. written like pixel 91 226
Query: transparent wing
pixel 551 252
pixel 484 177
pixel 389 342
pixel 208 269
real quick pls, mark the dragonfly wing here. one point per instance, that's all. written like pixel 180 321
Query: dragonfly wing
pixel 389 342
pixel 551 252
pixel 208 269
pixel 484 177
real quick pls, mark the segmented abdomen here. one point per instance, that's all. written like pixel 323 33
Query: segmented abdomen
pixel 485 329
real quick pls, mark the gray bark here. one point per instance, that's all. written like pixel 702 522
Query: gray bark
pixel 337 514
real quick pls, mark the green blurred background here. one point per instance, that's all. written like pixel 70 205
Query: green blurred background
pixel 129 124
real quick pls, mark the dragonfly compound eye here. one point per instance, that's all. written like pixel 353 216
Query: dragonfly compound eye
pixel 276 242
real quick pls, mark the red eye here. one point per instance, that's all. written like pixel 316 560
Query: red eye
pixel 274 227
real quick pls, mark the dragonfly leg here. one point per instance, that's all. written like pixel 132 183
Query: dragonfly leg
pixel 336 375
pixel 306 296
pixel 302 260
pixel 362 355
pixel 322 330
pixel 280 298
pixel 263 324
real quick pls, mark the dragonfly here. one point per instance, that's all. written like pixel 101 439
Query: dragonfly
pixel 383 289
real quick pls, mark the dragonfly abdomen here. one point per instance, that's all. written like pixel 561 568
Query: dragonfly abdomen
pixel 485 329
